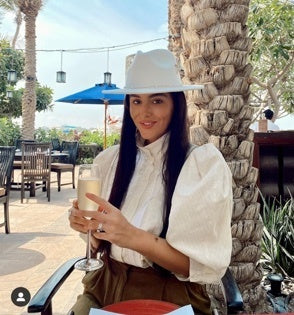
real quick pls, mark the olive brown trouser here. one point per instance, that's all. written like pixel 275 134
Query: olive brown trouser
pixel 117 281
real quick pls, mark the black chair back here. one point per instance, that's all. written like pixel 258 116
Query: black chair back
pixel 19 142
pixel 71 147
pixel 56 144
pixel 6 166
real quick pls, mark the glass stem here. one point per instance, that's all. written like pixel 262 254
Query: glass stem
pixel 88 245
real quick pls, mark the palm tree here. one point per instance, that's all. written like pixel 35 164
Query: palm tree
pixel 11 6
pixel 213 50
pixel 175 27
pixel 30 8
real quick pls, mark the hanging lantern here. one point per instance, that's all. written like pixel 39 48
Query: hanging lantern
pixel 11 76
pixel 61 75
pixel 107 74
pixel 107 78
pixel 9 94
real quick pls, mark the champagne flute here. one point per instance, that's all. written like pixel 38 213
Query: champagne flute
pixel 88 183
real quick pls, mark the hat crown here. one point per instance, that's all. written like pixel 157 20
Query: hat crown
pixel 153 72
pixel 155 68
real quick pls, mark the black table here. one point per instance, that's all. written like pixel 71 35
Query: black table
pixel 54 155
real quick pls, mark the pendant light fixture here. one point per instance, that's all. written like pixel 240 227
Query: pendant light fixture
pixel 11 76
pixel 107 74
pixel 61 75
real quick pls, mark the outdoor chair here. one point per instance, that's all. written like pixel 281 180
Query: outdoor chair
pixel 18 145
pixel 71 147
pixel 19 142
pixel 6 162
pixel 56 144
pixel 35 167
pixel 42 300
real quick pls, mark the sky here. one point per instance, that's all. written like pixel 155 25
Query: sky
pixel 72 24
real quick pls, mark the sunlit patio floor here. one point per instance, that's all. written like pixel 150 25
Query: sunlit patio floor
pixel 40 241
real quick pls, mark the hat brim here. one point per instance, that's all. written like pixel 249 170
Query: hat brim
pixel 153 90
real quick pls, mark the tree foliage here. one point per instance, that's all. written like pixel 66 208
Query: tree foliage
pixel 11 6
pixel 9 59
pixel 270 24
pixel 9 131
pixel 12 107
pixel 278 236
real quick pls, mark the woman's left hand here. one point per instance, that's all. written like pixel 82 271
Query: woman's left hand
pixel 114 227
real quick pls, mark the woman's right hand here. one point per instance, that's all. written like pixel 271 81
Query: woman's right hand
pixel 80 224
pixel 76 220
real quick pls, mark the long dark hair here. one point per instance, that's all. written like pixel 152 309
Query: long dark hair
pixel 173 160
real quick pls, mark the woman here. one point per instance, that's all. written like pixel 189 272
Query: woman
pixel 165 229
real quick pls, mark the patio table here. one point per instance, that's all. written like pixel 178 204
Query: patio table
pixel 54 155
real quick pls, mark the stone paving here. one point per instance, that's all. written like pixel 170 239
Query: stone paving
pixel 40 241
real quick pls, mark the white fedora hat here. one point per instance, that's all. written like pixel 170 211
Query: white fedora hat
pixel 152 72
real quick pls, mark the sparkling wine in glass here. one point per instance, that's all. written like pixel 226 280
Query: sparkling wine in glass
pixel 88 183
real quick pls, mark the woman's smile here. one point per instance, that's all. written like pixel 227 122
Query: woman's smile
pixel 147 124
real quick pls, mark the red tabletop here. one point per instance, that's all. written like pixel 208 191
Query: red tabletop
pixel 142 307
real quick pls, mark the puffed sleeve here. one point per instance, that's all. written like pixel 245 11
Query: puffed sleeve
pixel 200 217
pixel 103 160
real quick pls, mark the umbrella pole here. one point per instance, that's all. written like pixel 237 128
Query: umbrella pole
pixel 105 111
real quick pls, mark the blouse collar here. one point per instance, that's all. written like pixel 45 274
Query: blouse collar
pixel 155 149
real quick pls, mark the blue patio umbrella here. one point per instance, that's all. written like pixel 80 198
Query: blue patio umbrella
pixel 94 95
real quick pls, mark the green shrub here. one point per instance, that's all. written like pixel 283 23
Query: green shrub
pixel 94 137
pixel 278 237
pixel 45 135
pixel 9 132
pixel 85 137
pixel 89 137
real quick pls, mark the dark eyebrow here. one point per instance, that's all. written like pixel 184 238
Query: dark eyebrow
pixel 159 94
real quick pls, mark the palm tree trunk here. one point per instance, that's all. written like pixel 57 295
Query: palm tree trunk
pixel 30 8
pixel 29 96
pixel 175 27
pixel 18 21
pixel 214 52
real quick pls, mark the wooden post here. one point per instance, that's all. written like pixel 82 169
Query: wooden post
pixel 262 125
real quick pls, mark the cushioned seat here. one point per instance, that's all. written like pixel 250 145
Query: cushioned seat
pixel 62 166
pixel 34 173
pixel 17 165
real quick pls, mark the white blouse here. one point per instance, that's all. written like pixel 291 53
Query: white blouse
pixel 200 217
